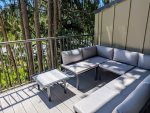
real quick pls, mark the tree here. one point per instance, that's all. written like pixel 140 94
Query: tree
pixel 10 53
pixel 49 10
pixel 55 16
pixel 21 21
pixel 59 5
pixel 50 33
pixel 37 31
pixel 27 35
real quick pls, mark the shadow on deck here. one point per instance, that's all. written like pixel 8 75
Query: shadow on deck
pixel 28 99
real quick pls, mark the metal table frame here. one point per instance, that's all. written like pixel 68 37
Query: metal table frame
pixel 48 87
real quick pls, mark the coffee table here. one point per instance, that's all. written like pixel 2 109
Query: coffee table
pixel 49 78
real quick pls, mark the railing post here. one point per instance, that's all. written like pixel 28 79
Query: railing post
pixel 55 51
pixel 49 56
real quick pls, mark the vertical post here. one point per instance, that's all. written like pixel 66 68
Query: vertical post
pixel 64 44
pixel 56 56
pixel 70 40
pixel 52 52
pixel 92 40
pixel 67 43
pixel 49 52
pixel 77 82
pixel 49 93
pixel 38 87
pixel 60 50
pixel 65 91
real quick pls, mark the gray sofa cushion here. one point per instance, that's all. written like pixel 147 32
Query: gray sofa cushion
pixel 144 61
pixel 116 67
pixel 135 101
pixel 125 56
pixel 126 83
pixel 97 100
pixel 147 80
pixel 106 52
pixel 71 56
pixel 89 52
pixel 138 73
pixel 85 65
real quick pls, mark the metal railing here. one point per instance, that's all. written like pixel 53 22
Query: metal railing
pixel 21 59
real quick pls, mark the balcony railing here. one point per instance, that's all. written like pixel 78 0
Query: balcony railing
pixel 19 60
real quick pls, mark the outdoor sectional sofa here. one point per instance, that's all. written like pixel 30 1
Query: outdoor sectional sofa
pixel 129 93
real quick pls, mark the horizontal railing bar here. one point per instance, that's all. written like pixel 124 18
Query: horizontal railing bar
pixel 74 36
pixel 40 39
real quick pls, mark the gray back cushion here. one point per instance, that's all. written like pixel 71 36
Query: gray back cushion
pixel 71 56
pixel 106 52
pixel 125 56
pixel 144 61
pixel 89 52
pixel 135 101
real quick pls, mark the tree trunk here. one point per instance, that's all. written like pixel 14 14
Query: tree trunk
pixel 10 53
pixel 59 13
pixel 50 34
pixel 49 18
pixel 27 35
pixel 55 16
pixel 21 22
pixel 37 31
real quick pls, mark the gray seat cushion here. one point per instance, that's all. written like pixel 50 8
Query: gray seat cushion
pixel 144 61
pixel 138 73
pixel 125 56
pixel 147 79
pixel 95 102
pixel 85 65
pixel 106 52
pixel 71 56
pixel 105 99
pixel 126 83
pixel 135 101
pixel 116 67
pixel 89 52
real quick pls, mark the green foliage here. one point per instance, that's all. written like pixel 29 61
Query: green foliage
pixel 76 18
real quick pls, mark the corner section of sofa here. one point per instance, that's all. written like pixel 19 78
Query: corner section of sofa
pixel 136 100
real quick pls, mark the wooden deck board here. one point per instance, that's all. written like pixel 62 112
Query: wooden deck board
pixel 28 99
pixel 5 104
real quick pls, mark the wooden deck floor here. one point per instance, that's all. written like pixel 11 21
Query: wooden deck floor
pixel 28 99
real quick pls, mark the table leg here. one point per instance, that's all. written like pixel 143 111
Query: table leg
pixel 49 93
pixel 38 87
pixel 65 91
pixel 99 75
pixel 96 74
pixel 77 84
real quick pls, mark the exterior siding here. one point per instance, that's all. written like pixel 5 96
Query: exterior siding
pixel 107 26
pixel 126 25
